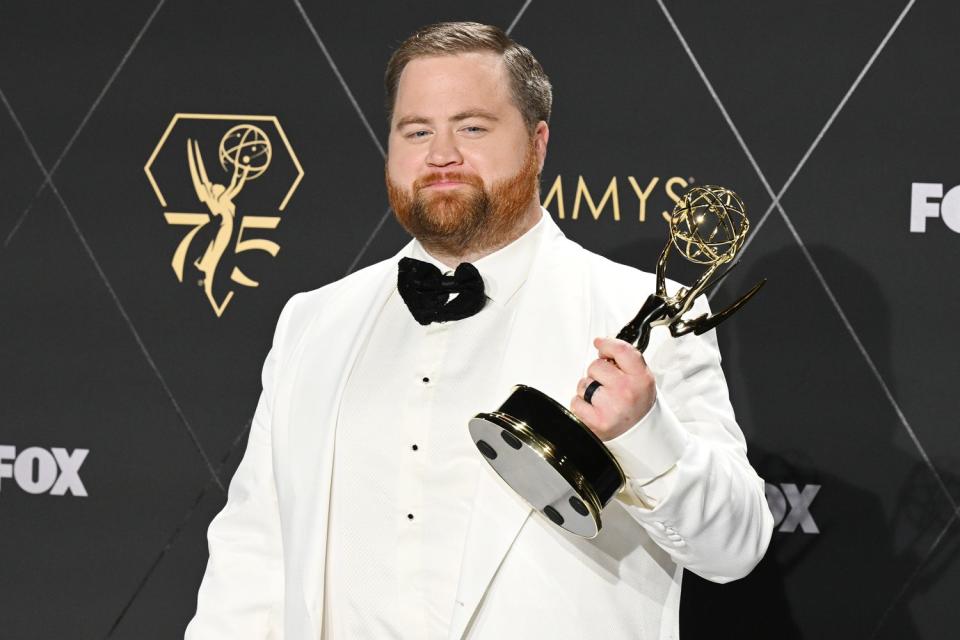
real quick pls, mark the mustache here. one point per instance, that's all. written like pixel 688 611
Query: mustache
pixel 450 176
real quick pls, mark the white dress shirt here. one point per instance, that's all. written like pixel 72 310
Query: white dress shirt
pixel 405 469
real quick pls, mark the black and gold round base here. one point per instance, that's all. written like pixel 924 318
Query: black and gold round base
pixel 550 458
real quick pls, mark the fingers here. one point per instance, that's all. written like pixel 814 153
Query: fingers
pixel 624 354
pixel 604 371
pixel 582 386
pixel 585 411
pixel 625 395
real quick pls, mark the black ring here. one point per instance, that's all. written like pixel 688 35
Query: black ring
pixel 590 390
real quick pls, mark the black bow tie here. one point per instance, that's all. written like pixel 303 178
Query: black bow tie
pixel 425 291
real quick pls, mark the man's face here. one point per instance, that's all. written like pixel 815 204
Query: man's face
pixel 462 166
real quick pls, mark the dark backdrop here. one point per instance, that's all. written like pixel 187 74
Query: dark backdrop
pixel 127 394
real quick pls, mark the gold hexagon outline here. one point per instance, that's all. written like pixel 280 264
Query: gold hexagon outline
pixel 223 116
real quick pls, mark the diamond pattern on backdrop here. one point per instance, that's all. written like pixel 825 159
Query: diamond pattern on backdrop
pixel 888 138
pixel 748 91
pixel 58 60
pixel 76 378
pixel 42 42
pixel 21 175
pixel 781 67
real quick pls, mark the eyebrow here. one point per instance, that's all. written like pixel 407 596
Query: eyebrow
pixel 463 115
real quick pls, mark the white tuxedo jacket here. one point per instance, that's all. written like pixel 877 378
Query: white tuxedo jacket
pixel 520 576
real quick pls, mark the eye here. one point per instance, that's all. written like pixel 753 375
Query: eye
pixel 420 133
pixel 474 129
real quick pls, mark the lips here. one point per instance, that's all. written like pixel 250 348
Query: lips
pixel 446 184
pixel 448 181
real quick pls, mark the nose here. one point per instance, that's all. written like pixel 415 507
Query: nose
pixel 443 151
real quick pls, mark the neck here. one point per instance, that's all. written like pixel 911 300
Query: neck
pixel 524 223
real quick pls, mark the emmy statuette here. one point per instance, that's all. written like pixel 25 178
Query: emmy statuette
pixel 541 449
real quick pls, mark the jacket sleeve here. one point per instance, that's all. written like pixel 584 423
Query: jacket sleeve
pixel 689 483
pixel 241 596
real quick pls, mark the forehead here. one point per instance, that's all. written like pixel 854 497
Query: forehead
pixel 452 83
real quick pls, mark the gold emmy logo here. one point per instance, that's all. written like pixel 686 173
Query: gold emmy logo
pixel 245 153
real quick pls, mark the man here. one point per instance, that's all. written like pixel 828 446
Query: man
pixel 361 508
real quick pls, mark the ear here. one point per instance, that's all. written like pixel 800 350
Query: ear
pixel 541 136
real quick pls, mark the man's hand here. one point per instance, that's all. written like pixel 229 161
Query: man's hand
pixel 627 394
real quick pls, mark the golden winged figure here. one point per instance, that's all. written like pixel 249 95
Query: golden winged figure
pixel 219 199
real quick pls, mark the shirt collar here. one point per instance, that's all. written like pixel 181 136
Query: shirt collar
pixel 504 270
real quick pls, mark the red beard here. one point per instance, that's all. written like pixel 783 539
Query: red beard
pixel 469 219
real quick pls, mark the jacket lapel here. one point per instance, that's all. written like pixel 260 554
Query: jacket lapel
pixel 325 358
pixel 544 350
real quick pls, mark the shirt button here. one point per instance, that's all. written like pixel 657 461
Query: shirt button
pixel 425 380
pixel 414 447
pixel 409 516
